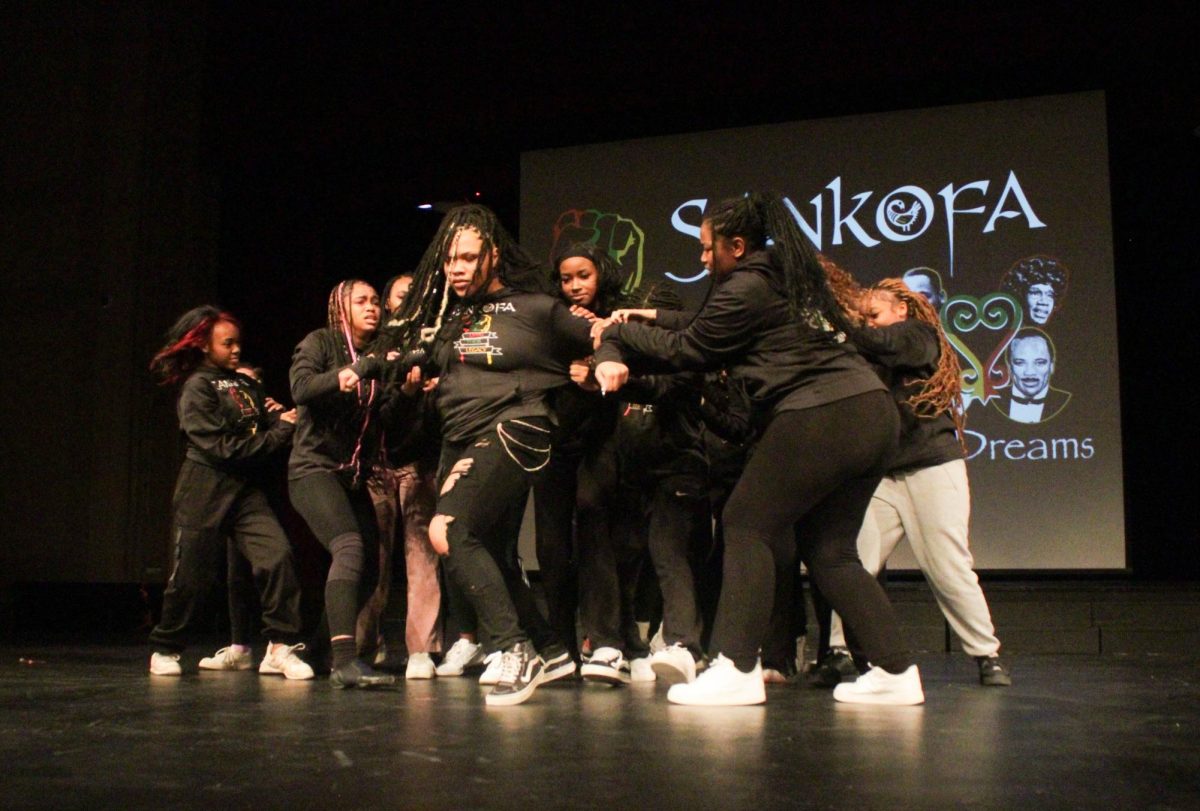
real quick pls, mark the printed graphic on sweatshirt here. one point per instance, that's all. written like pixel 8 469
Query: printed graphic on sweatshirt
pixel 479 339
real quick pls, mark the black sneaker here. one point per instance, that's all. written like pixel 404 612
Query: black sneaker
pixel 992 672
pixel 606 665
pixel 832 668
pixel 357 673
pixel 520 674
pixel 557 664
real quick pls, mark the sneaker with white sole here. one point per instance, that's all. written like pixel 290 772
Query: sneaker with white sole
pixel 520 675
pixel 491 668
pixel 420 666
pixel 462 654
pixel 281 660
pixel 674 664
pixel 641 671
pixel 877 686
pixel 606 665
pixel 228 659
pixel 721 685
pixel 557 664
pixel 165 664
pixel 992 672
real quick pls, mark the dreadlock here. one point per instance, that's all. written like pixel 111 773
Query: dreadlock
pixel 339 325
pixel 609 281
pixel 846 289
pixel 941 392
pixel 428 299
pixel 186 342
pixel 765 223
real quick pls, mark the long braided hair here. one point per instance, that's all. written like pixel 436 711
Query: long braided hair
pixel 846 289
pixel 941 392
pixel 429 299
pixel 187 342
pixel 764 222
pixel 366 392
pixel 339 325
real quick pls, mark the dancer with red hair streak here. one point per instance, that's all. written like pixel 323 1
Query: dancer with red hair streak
pixel 229 432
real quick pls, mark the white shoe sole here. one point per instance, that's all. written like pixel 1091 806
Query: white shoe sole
pixel 604 675
pixel 512 699
pixel 561 671
pixel 670 673
pixel 681 694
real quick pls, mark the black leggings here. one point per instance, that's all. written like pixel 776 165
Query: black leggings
pixel 816 469
pixel 344 522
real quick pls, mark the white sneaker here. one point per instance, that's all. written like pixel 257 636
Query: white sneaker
pixel 657 642
pixel 165 664
pixel 674 664
pixel 491 667
pixel 462 654
pixel 640 670
pixel 722 685
pixel 877 686
pixel 606 665
pixel 281 660
pixel 228 659
pixel 420 666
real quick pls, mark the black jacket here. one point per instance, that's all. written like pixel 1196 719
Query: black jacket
pixel 339 432
pixel 226 424
pixel 785 363
pixel 905 353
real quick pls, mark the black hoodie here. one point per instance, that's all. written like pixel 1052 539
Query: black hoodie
pixel 226 423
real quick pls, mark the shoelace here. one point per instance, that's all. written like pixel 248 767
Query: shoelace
pixel 511 665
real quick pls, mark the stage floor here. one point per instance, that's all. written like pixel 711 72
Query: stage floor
pixel 86 727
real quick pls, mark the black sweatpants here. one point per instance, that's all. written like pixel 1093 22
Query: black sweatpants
pixel 211 506
pixel 815 468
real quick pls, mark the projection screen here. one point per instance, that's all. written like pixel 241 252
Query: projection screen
pixel 1000 211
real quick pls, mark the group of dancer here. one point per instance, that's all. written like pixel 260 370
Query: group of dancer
pixel 836 412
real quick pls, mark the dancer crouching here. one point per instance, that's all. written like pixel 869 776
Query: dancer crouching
pixel 828 427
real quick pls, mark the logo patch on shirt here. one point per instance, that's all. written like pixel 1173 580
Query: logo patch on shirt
pixel 478 339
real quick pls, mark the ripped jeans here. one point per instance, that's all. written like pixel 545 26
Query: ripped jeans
pixel 482 558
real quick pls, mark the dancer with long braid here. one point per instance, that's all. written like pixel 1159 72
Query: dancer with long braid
pixel 828 428
pixel 342 408
pixel 498 347
pixel 925 497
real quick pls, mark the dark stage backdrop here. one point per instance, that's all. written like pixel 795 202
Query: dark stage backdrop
pixel 1008 202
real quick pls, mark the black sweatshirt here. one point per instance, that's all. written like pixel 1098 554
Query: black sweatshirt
pixel 509 350
pixel 785 363
pixel 223 416
pixel 336 431
pixel 905 353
